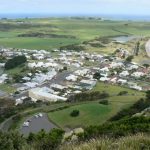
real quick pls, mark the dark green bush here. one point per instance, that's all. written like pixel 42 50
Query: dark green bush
pixel 74 113
pixel 14 62
pixel 104 102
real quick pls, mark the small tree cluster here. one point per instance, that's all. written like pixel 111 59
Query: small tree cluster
pixel 88 96
pixel 14 62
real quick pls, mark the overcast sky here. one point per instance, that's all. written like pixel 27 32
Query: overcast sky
pixel 83 7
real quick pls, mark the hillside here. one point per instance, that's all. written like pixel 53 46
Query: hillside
pixel 136 142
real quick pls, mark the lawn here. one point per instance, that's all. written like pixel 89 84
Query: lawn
pixel 91 113
pixel 114 89
pixel 7 88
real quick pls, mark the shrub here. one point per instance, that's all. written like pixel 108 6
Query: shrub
pixel 88 96
pixel 104 102
pixel 123 93
pixel 74 113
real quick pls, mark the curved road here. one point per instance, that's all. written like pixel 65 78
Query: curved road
pixel 147 47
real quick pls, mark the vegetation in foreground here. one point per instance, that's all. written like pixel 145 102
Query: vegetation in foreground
pixel 135 142
pixel 115 133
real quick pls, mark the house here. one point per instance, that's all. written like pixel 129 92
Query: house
pixel 2 65
pixel 124 74
pixel 44 95
pixel 82 72
pixel 88 84
pixel 132 67
pixel 57 87
pixel 121 81
pixel 136 87
pixel 72 78
pixel 3 77
pixel 105 69
pixel 104 79
pixel 113 80
pixel 137 74
pixel 116 65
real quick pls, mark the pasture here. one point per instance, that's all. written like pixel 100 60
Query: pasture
pixel 57 32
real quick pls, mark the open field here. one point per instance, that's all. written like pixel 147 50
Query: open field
pixel 56 32
pixel 114 89
pixel 91 113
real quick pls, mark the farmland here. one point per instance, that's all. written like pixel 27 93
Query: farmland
pixel 56 32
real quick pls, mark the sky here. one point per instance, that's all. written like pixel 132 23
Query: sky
pixel 76 7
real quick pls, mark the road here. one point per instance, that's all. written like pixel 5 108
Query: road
pixel 147 46
pixel 36 124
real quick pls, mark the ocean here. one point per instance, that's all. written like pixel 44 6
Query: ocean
pixel 110 17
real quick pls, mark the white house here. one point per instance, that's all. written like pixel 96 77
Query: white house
pixel 137 74
pixel 44 95
pixel 121 81
pixel 72 78
pixel 124 74
pixel 104 79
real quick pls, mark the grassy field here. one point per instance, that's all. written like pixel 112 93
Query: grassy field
pixel 7 88
pixel 81 29
pixel 91 113
pixel 114 89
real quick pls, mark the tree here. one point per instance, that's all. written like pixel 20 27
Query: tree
pixel 65 68
pixel 129 59
pixel 104 102
pixel 11 141
pixel 137 47
pixel 148 94
pixel 146 65
pixel 123 93
pixel 74 113
pixel 14 62
pixel 47 141
pixel 97 75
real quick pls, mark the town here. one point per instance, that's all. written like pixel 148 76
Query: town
pixel 54 76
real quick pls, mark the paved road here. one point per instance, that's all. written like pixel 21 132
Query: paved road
pixel 147 46
pixel 3 94
pixel 37 124
pixel 59 78
pixel 1 71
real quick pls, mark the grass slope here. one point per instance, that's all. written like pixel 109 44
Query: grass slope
pixel 136 142
pixel 91 113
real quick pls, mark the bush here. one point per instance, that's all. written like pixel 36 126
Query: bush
pixel 73 47
pixel 88 96
pixel 14 62
pixel 74 113
pixel 135 108
pixel 104 102
pixel 122 93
